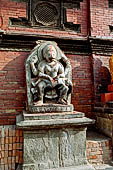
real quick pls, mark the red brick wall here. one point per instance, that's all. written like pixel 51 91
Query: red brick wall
pixel 16 9
pixel 11 148
pixel 82 95
pixel 11 9
pixel 98 149
pixel 101 18
pixel 12 85
pixel 79 16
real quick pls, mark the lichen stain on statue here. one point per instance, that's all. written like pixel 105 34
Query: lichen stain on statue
pixel 48 75
pixel 111 68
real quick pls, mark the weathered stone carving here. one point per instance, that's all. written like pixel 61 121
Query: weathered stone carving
pixel 48 75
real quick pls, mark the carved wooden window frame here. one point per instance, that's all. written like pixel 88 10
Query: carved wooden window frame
pixel 51 2
pixel 62 22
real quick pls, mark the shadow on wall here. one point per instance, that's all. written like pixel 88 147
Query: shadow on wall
pixel 82 96
pixel 102 78
pixel 12 85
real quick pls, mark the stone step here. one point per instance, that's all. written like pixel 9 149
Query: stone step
pixel 48 116
pixel 109 104
pixel 99 148
pixel 99 104
pixel 104 109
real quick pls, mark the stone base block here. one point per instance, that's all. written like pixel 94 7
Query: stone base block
pixel 55 148
pixel 54 141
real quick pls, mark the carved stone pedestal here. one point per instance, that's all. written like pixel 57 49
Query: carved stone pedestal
pixel 54 141
pixel 51 108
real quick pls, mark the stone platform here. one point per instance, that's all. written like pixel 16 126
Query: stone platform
pixel 54 141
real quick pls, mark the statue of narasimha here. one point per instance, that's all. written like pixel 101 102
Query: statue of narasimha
pixel 48 75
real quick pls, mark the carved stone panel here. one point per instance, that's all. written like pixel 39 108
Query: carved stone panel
pixel 48 76
pixel 54 148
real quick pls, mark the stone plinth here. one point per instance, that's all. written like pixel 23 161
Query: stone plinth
pixel 54 141
pixel 48 108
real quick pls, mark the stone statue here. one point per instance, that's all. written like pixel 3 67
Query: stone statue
pixel 50 73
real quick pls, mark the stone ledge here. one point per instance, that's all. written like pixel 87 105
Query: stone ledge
pixel 54 123
pixel 47 116
pixel 103 110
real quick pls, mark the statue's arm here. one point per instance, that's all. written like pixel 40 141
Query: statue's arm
pixel 68 65
pixel 33 67
pixel 61 72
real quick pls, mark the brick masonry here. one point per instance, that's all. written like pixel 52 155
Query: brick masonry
pixel 99 149
pixel 82 83
pixel 12 86
pixel 11 147
pixel 101 18
pixel 17 9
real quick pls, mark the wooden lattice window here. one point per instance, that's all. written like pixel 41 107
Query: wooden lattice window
pixel 44 13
